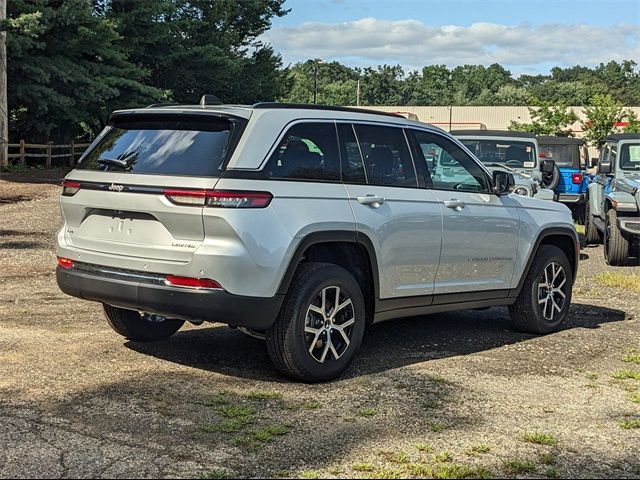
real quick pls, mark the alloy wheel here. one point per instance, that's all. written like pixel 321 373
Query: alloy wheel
pixel 551 295
pixel 329 324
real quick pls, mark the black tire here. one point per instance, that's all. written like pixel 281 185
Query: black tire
pixel 551 180
pixel 289 342
pixel 592 233
pixel 141 327
pixel 616 246
pixel 527 313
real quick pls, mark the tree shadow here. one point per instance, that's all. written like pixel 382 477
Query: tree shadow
pixel 21 245
pixel 52 177
pixel 386 346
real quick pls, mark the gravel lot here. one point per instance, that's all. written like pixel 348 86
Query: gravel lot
pixel 447 395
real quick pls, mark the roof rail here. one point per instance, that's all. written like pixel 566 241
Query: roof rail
pixel 308 106
pixel 162 104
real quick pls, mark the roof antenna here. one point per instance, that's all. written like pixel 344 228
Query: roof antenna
pixel 209 99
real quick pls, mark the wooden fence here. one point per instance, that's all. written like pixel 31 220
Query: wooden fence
pixel 46 151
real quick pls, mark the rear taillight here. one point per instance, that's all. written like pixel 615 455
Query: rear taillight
pixel 219 198
pixel 576 178
pixel 65 263
pixel 190 282
pixel 70 188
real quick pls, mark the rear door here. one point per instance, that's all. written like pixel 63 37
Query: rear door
pixel 391 207
pixel 139 189
pixel 480 229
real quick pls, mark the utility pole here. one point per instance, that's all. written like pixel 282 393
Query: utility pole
pixel 4 115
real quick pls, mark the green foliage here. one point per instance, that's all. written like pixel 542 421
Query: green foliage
pixel 602 114
pixel 548 119
pixel 633 122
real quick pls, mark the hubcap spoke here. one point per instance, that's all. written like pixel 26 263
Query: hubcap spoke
pixel 315 309
pixel 551 295
pixel 344 304
pixel 340 330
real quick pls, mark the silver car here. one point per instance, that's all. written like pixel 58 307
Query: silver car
pixel 301 225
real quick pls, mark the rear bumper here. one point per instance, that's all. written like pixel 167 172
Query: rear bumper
pixel 257 313
pixel 572 198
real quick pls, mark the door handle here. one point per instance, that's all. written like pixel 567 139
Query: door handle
pixel 372 200
pixel 454 203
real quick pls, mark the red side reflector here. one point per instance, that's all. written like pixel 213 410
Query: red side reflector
pixel 542 155
pixel 70 188
pixel 576 178
pixel 65 263
pixel 191 282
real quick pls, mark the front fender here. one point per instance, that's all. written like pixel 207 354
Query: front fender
pixel 595 198
pixel 622 201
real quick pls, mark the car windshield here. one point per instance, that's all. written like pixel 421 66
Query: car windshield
pixel 630 156
pixel 512 153
pixel 563 155
pixel 168 145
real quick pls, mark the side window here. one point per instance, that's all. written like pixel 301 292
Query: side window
pixel 604 154
pixel 386 156
pixel 613 152
pixel 307 151
pixel 352 164
pixel 449 166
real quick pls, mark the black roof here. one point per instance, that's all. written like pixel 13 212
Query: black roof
pixel 491 133
pixel 312 106
pixel 623 136
pixel 548 140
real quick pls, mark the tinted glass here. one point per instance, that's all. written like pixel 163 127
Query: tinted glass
pixel 512 153
pixel 170 146
pixel 630 156
pixel 352 164
pixel 386 156
pixel 449 167
pixel 307 151
pixel 563 155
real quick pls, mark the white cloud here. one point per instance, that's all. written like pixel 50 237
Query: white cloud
pixel 411 43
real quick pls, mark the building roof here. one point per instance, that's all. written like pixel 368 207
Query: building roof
pixel 491 133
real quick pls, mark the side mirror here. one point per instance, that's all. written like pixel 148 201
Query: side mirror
pixel 604 168
pixel 547 166
pixel 503 182
pixel 594 162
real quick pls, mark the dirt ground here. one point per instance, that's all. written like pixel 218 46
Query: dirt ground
pixel 445 396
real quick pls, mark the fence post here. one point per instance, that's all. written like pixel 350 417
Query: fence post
pixel 22 152
pixel 48 164
pixel 73 154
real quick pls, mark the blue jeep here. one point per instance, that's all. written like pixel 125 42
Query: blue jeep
pixel 572 157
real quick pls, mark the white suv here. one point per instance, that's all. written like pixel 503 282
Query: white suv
pixel 302 224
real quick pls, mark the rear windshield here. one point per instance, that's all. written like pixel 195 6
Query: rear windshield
pixel 172 145
pixel 563 155
pixel 512 153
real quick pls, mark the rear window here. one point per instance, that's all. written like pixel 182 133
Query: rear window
pixel 172 145
pixel 563 155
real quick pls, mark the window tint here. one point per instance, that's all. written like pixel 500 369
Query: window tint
pixel 169 145
pixel 513 153
pixel 307 151
pixel 613 151
pixel 352 164
pixel 563 155
pixel 386 156
pixel 630 156
pixel 448 166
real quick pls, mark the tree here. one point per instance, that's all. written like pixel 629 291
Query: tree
pixel 383 86
pixel 66 72
pixel 633 122
pixel 547 119
pixel 601 116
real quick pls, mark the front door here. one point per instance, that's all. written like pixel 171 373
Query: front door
pixel 480 229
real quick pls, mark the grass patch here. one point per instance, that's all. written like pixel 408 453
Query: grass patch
pixel 517 466
pixel 547 458
pixel 626 374
pixel 423 447
pixel 436 427
pixel 368 412
pixel 540 438
pixel 312 405
pixel 312 474
pixel 635 398
pixel 235 411
pixel 362 467
pixel 265 435
pixel 629 424
pixel 630 281
pixel 264 395
pixel 400 458
pixel 632 356
pixel 552 472
pixel 442 457
pixel 387 472
pixel 230 426
pixel 481 448
pixel 213 474
pixel 431 404
pixel 247 442
pixel 592 376
pixel 452 470
pixel 218 400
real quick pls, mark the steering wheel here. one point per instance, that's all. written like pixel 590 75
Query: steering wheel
pixel 513 163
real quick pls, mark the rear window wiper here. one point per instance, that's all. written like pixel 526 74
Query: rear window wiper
pixel 124 163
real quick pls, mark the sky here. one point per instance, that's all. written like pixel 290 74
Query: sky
pixel 526 36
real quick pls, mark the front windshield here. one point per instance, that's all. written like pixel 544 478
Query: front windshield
pixel 630 156
pixel 512 153
pixel 563 155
